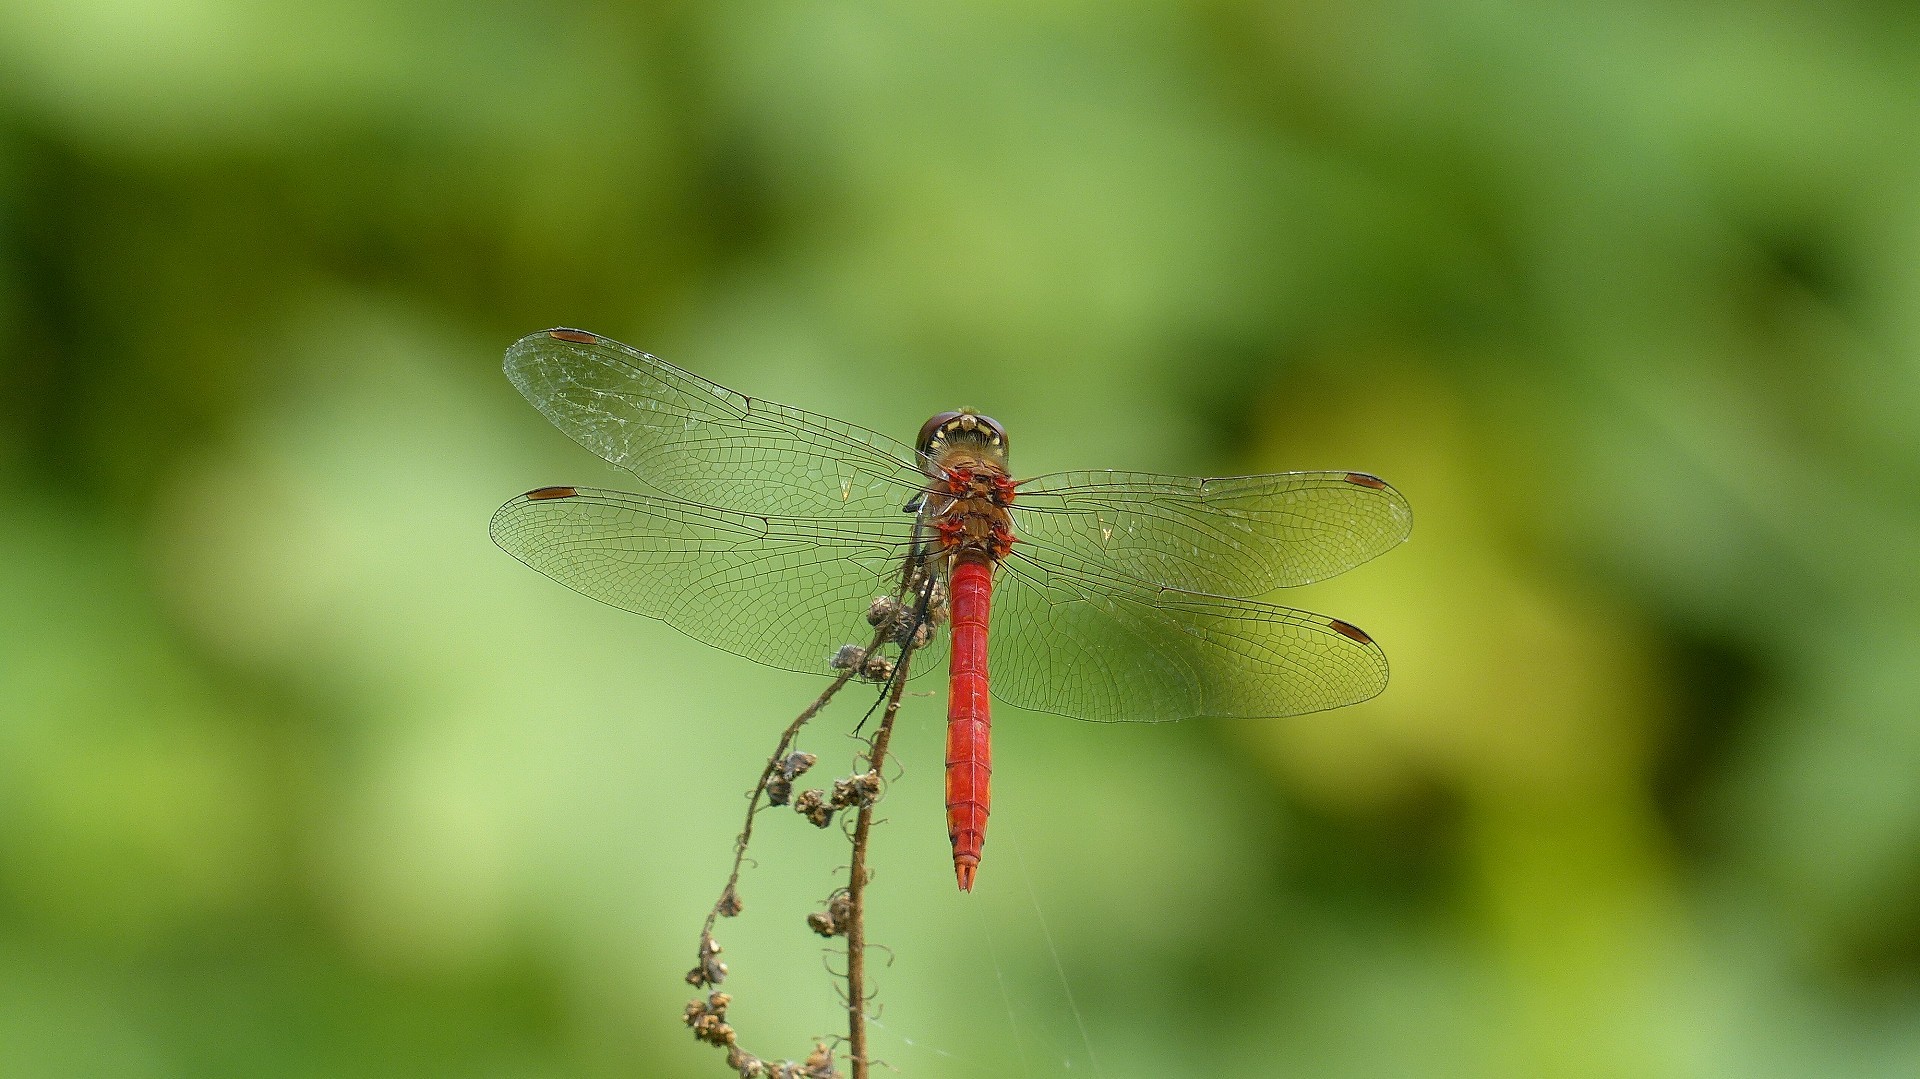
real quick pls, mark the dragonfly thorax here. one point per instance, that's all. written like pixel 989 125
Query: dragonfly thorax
pixel 968 511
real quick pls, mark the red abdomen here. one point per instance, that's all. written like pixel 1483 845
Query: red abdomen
pixel 969 756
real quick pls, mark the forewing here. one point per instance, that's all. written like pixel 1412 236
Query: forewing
pixel 782 591
pixel 700 441
pixel 1112 650
pixel 1230 536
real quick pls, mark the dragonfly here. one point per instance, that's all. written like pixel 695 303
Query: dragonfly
pixel 775 533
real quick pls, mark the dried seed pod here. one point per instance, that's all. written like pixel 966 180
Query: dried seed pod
pixel 729 904
pixel 710 970
pixel 847 657
pixel 877 668
pixel 820 1063
pixel 861 790
pixel 709 1019
pixel 832 921
pixel 812 804
pixel 780 783
pixel 779 789
pixel 883 611
pixel 748 1065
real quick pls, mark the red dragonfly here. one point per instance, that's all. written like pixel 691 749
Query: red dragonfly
pixel 770 531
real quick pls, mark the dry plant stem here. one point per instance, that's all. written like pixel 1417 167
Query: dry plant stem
pixel 760 788
pixel 708 1018
pixel 857 885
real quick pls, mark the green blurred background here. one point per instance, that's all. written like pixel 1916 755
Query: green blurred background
pixel 299 776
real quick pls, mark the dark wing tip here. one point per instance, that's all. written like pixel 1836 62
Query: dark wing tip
pixel 578 337
pixel 1362 479
pixel 544 493
pixel 1348 630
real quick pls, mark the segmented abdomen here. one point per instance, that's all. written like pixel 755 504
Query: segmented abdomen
pixel 969 724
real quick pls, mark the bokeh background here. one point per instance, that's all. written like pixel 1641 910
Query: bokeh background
pixel 299 776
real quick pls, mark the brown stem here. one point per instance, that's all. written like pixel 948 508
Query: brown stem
pixel 857 884
pixel 708 1018
pixel 760 788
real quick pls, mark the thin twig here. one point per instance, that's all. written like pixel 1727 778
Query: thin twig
pixel 709 1018
pixel 857 883
pixel 729 893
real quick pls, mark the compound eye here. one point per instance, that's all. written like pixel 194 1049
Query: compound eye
pixel 966 426
pixel 996 434
pixel 930 430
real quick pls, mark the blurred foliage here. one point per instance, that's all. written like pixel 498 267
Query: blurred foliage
pixel 299 776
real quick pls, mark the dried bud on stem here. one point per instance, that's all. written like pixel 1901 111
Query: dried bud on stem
pixel 812 804
pixel 883 611
pixel 861 790
pixel 779 790
pixel 779 782
pixel 748 1065
pixel 871 666
pixel 710 970
pixel 709 1019
pixel 897 623
pixel 819 1063
pixel 832 921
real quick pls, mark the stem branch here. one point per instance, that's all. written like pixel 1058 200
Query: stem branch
pixel 857 884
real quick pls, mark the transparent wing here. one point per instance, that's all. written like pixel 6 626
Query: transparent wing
pixel 1229 536
pixel 700 441
pixel 1113 650
pixel 784 591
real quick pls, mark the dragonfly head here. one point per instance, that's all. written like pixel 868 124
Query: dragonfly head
pixel 962 438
